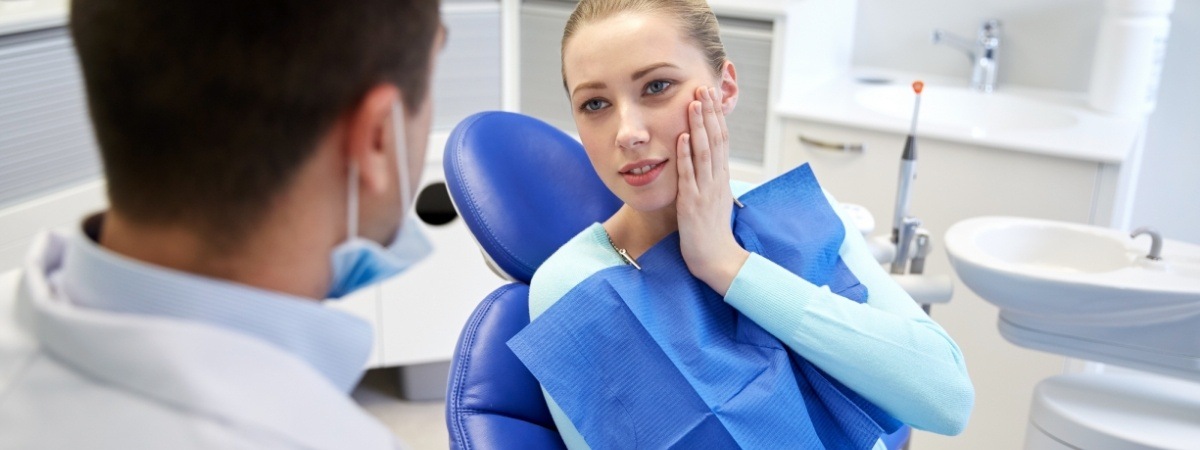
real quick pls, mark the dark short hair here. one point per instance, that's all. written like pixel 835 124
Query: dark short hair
pixel 204 110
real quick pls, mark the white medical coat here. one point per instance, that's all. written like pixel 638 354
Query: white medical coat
pixel 73 378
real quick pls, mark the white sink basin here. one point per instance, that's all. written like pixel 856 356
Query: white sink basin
pixel 1085 291
pixel 956 107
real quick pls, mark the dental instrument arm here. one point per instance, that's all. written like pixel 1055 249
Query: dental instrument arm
pixel 903 226
pixel 923 246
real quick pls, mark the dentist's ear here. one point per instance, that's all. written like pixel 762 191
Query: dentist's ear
pixel 368 138
pixel 728 88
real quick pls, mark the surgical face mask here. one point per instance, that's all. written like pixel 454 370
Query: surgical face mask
pixel 358 261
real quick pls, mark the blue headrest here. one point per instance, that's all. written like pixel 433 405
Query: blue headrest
pixel 523 187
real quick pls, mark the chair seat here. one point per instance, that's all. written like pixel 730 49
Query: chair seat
pixel 492 401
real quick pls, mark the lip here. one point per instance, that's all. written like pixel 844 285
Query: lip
pixel 645 178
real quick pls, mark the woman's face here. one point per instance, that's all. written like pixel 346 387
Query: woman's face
pixel 630 78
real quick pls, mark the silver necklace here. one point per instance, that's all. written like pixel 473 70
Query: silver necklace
pixel 622 252
pixel 629 259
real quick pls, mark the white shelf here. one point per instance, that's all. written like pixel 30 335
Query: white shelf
pixel 19 16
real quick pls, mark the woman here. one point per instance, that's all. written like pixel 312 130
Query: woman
pixel 650 85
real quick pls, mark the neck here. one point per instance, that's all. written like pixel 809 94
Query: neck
pixel 277 257
pixel 636 231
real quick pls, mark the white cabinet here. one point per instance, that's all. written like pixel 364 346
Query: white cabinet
pixel 955 182
pixel 364 303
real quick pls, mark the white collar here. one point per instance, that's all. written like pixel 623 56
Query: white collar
pixel 335 343
pixel 195 367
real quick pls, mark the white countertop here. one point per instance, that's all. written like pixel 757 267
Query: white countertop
pixel 17 16
pixel 1090 135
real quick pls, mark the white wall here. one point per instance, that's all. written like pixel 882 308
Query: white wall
pixel 1046 44
pixel 1168 190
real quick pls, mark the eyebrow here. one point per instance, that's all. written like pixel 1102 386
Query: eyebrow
pixel 589 85
pixel 645 70
pixel 636 75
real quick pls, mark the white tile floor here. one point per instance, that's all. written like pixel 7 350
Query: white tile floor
pixel 420 425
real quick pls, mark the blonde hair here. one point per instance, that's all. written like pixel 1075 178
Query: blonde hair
pixel 694 17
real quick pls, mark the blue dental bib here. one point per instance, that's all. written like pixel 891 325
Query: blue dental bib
pixel 656 359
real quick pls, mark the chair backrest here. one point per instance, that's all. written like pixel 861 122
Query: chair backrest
pixel 523 187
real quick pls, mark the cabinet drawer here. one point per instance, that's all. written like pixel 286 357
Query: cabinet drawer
pixel 954 181
pixel 866 177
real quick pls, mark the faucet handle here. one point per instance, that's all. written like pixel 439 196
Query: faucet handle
pixel 940 36
pixel 989 34
pixel 989 28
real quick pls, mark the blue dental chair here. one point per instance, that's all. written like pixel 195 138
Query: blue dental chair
pixel 523 188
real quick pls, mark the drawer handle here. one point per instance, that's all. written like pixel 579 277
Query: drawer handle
pixel 835 146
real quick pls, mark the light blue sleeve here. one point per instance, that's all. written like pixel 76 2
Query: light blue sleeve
pixel 886 349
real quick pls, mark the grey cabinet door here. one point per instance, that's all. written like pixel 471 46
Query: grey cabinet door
pixel 467 78
pixel 46 141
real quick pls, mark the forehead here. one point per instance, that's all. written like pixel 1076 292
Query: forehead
pixel 617 46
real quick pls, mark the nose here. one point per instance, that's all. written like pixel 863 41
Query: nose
pixel 632 132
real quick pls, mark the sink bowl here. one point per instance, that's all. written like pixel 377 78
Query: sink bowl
pixel 1085 291
pixel 976 112
pixel 1054 268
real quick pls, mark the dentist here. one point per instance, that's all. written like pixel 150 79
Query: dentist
pixel 260 157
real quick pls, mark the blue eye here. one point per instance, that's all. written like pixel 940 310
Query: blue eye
pixel 593 105
pixel 657 86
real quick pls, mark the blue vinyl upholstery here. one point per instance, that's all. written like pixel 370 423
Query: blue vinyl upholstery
pixel 492 401
pixel 523 188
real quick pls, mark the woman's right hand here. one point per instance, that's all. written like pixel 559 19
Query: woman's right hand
pixel 704 198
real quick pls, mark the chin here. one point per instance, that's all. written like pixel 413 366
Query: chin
pixel 649 200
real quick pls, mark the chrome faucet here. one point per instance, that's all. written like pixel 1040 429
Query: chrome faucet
pixel 982 52
pixel 1155 242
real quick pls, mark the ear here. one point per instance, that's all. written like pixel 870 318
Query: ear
pixel 728 87
pixel 368 137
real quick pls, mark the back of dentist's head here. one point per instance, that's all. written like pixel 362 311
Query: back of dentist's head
pixel 205 110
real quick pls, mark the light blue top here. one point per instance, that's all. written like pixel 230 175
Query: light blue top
pixel 334 343
pixel 887 349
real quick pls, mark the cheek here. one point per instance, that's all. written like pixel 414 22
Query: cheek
pixel 671 120
pixel 596 143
